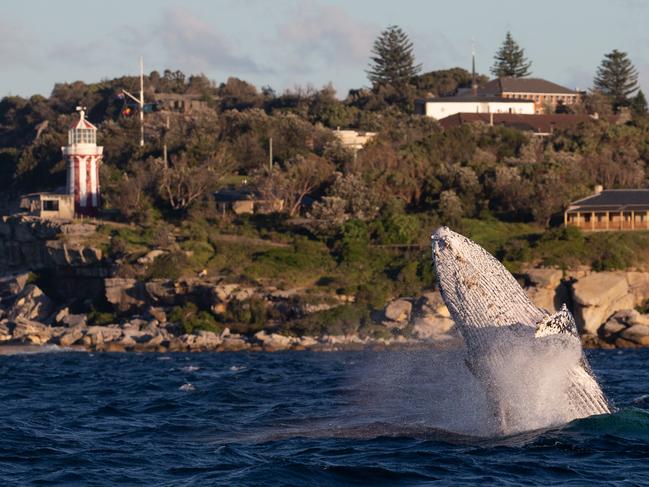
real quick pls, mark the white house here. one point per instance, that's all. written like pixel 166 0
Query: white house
pixel 439 108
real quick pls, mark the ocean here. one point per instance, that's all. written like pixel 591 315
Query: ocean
pixel 299 418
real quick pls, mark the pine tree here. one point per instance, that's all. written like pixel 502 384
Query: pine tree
pixel 510 60
pixel 617 78
pixel 639 105
pixel 392 60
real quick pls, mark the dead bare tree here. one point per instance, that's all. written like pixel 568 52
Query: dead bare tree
pixel 294 181
pixel 184 180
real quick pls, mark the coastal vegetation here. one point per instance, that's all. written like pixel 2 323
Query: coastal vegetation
pixel 351 223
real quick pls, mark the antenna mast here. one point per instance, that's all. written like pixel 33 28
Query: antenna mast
pixel 139 100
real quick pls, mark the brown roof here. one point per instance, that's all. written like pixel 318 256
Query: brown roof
pixel 534 123
pixel 464 99
pixel 523 85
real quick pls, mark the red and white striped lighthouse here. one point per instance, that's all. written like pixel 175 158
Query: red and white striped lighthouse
pixel 83 157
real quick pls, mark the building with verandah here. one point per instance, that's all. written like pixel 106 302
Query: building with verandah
pixel 610 210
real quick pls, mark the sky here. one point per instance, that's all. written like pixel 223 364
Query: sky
pixel 288 43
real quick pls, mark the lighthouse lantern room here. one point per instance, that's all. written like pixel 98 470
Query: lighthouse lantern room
pixel 83 159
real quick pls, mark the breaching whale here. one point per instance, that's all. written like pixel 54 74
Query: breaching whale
pixel 512 345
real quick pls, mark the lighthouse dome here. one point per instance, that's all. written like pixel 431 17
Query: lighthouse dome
pixel 82 131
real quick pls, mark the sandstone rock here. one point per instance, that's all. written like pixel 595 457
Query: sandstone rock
pixel 71 336
pixel 207 340
pixel 223 292
pixel 163 292
pixel 101 334
pixel 158 313
pixel 12 284
pixel 597 296
pixel 612 327
pixel 5 332
pixel 398 311
pixel 431 327
pixel 124 294
pixel 544 278
pixel 638 285
pixel 31 304
pixel 60 314
pixel 31 332
pixel 637 333
pixel 150 256
pixel 77 320
pixel 273 341
pixel 308 341
pixel 234 343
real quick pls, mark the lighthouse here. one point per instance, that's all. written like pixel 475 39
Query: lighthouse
pixel 83 159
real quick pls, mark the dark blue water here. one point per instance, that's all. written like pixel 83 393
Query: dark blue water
pixel 365 418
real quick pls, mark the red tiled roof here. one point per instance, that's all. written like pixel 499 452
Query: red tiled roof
pixel 533 123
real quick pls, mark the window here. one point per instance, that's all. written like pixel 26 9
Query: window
pixel 50 205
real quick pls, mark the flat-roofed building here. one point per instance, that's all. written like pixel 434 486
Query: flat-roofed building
pixel 611 209
pixel 54 206
pixel 439 108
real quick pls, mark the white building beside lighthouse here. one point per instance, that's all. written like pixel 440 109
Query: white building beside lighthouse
pixel 83 160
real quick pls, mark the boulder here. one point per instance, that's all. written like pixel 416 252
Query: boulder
pixel 12 284
pixel 234 343
pixel 273 341
pixel 150 256
pixel 431 327
pixel 207 340
pixel 162 292
pixel 223 292
pixel 124 294
pixel 77 320
pixel 544 278
pixel 5 331
pixel 101 334
pixel 638 334
pixel 31 304
pixel 60 314
pixel 398 310
pixel 71 336
pixel 597 296
pixel 158 313
pixel 639 285
pixel 31 332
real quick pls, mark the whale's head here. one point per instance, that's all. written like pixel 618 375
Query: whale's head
pixel 479 292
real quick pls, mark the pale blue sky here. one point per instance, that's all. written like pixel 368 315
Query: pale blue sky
pixel 284 43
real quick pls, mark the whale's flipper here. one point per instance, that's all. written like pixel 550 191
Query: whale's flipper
pixel 560 322
pixel 505 332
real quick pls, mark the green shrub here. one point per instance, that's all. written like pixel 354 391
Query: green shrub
pixel 169 266
pixel 191 320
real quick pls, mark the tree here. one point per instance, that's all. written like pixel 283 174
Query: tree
pixel 294 181
pixel 510 60
pixel 392 60
pixel 617 78
pixel 639 104
pixel 184 181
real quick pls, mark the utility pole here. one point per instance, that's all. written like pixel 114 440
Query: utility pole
pixel 139 100
pixel 164 147
pixel 270 153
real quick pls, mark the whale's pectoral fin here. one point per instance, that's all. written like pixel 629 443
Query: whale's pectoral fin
pixel 561 322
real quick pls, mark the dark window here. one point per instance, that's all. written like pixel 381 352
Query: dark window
pixel 50 205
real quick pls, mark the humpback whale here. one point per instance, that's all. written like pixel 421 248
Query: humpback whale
pixel 524 357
